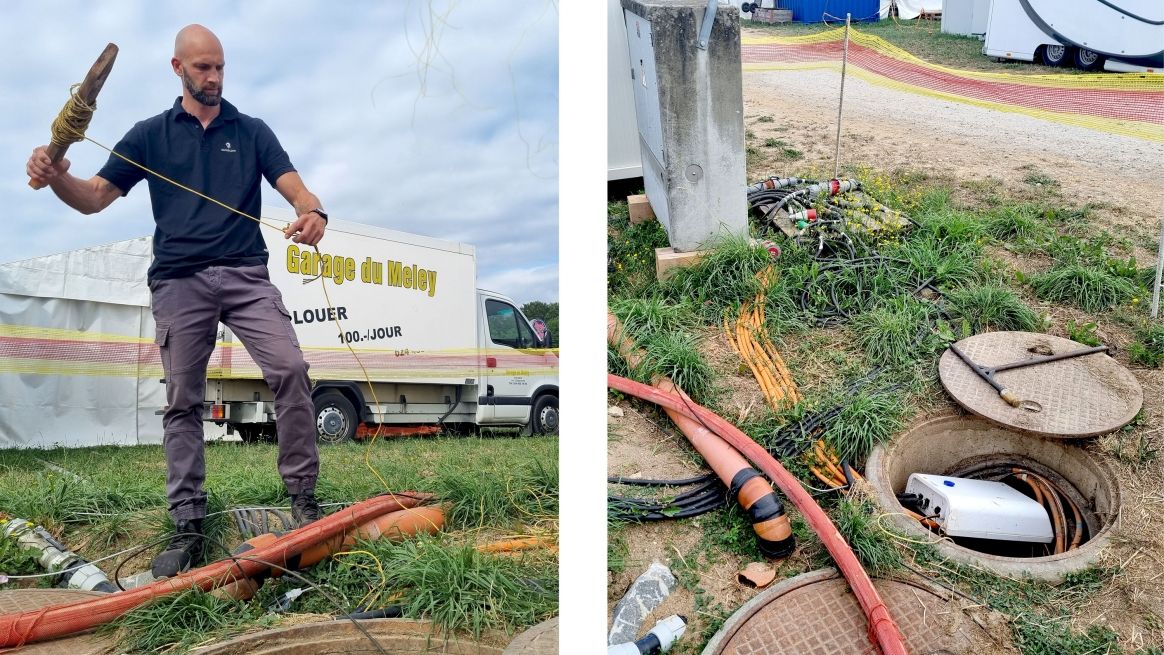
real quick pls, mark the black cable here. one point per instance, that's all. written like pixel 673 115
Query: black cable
pixel 646 482
pixel 339 606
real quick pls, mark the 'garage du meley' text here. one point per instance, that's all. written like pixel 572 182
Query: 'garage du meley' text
pixel 342 269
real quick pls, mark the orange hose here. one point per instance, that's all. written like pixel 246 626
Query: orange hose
pixel 394 526
pixel 756 495
pixel 882 629
pixel 513 545
pixel 63 619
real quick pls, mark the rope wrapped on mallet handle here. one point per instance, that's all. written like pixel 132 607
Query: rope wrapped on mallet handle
pixel 70 125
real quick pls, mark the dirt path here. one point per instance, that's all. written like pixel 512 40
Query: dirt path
pixel 887 129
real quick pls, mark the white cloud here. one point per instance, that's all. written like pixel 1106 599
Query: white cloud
pixel 456 141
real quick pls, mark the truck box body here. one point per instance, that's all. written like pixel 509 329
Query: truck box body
pixel 404 303
pixel 434 347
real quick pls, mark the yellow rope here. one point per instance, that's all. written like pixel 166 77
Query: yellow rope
pixel 69 127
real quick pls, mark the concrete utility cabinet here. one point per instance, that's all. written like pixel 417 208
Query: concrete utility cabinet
pixel 689 105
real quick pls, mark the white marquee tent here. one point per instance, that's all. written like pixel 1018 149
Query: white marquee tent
pixel 78 366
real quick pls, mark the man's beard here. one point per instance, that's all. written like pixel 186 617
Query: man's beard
pixel 200 95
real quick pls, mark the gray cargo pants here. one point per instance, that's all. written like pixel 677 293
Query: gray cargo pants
pixel 187 312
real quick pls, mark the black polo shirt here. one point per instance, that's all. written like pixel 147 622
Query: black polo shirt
pixel 225 162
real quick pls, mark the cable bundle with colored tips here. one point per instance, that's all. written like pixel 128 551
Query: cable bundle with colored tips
pixel 824 215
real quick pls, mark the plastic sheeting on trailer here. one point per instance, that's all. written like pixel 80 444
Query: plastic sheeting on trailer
pixel 78 366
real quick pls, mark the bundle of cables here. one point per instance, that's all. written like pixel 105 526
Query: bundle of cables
pixel 708 493
pixel 1057 496
pixel 827 217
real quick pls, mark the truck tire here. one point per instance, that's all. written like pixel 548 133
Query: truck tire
pixel 1086 60
pixel 545 415
pixel 1054 55
pixel 335 418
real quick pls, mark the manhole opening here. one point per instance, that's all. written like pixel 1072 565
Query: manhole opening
pixel 959 446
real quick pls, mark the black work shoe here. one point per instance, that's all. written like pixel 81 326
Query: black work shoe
pixel 304 509
pixel 184 551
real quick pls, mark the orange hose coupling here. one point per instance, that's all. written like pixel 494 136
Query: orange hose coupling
pixel 773 530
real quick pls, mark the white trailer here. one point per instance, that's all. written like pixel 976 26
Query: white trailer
pixel 1117 35
pixel 404 312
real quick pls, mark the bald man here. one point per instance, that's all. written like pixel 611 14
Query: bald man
pixel 209 265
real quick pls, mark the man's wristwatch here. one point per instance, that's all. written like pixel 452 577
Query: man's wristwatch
pixel 322 214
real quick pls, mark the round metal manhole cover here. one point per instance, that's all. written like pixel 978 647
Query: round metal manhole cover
pixel 22 600
pixel 542 639
pixel 1077 397
pixel 816 612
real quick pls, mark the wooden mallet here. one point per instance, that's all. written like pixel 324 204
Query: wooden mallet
pixel 87 94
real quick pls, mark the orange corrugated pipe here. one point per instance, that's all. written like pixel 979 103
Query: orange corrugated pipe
pixel 393 526
pixel 67 618
pixel 754 493
pixel 883 630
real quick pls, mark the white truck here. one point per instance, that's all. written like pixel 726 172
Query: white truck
pixel 436 349
pixel 1116 35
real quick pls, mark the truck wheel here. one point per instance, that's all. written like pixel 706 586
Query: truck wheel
pixel 335 417
pixel 1086 60
pixel 1054 55
pixel 545 415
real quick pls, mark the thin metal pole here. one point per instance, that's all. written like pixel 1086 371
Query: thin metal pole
pixel 841 104
pixel 1159 273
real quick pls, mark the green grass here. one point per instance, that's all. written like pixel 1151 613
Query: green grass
pixel 678 356
pixel 897 332
pixel 866 421
pixel 181 621
pixel 451 584
pixel 631 254
pixel 856 520
pixel 1090 288
pixel 1148 348
pixel 492 485
pixel 721 280
pixel 990 307
pixel 652 315
pixel 1024 227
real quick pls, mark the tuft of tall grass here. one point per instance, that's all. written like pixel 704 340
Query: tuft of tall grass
pixel 1091 288
pixel 951 226
pixel 990 307
pixel 1024 226
pixel 528 490
pixel 643 318
pixel 723 279
pixel 856 521
pixel 677 355
pixel 867 420
pixel 1148 349
pixel 453 585
pixel 896 332
pixel 178 623
pixel 944 263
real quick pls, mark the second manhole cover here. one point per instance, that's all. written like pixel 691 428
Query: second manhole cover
pixel 816 613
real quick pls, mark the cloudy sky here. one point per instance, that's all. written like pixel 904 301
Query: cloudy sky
pixel 429 116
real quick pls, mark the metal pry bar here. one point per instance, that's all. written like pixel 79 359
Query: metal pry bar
pixel 87 93
pixel 988 372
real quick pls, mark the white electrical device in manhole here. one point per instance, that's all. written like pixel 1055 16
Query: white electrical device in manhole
pixel 980 509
